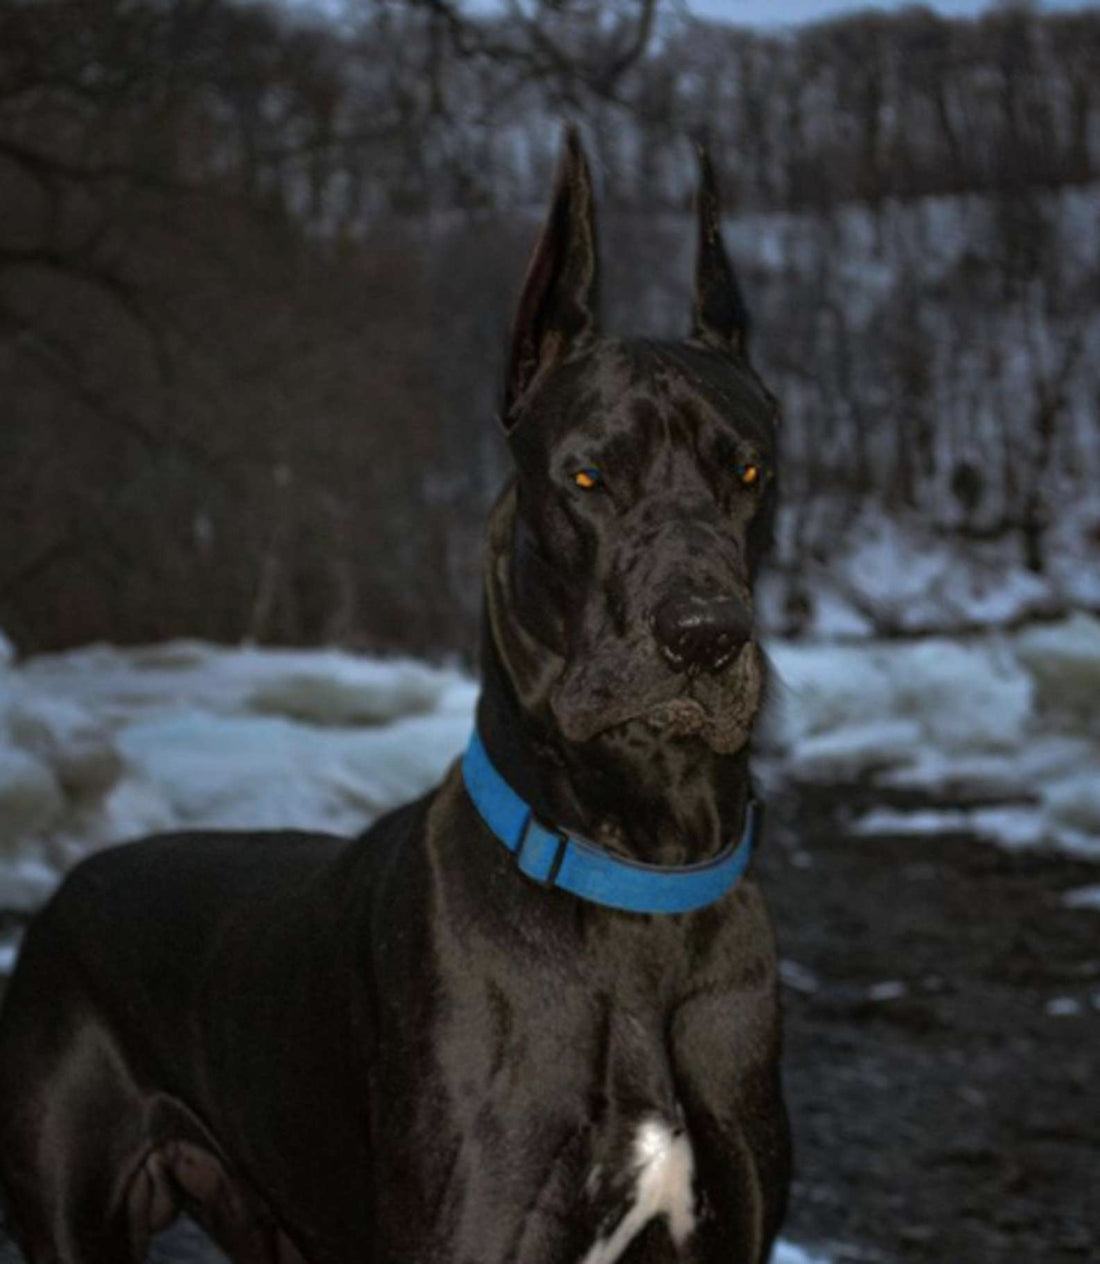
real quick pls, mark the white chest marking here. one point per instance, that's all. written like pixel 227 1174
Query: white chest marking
pixel 664 1168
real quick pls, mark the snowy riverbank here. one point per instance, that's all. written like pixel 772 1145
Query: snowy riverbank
pixel 102 744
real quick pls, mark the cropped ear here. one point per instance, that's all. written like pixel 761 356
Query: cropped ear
pixel 720 316
pixel 558 307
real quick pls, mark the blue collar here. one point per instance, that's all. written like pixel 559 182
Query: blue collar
pixel 557 859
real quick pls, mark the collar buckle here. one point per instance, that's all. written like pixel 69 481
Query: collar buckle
pixel 540 851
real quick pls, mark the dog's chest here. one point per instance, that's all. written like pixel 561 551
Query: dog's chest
pixel 571 1143
pixel 654 1180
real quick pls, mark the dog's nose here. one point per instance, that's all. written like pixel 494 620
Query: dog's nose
pixel 701 633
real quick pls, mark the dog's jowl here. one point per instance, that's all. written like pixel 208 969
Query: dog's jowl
pixel 531 1018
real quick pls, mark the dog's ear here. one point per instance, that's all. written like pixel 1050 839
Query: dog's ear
pixel 558 307
pixel 720 316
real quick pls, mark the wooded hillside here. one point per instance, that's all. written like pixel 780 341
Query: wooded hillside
pixel 256 271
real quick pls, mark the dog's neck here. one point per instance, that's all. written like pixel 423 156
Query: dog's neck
pixel 636 791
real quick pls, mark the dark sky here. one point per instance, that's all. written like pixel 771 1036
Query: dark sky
pixel 775 12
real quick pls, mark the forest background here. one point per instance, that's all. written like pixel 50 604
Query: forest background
pixel 256 269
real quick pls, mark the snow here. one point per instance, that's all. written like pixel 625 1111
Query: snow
pixel 273 772
pixel 892 570
pixel 329 687
pixel 787 1253
pixel 797 977
pixel 103 744
pixel 28 881
pixel 1083 898
pixel 922 581
pixel 1001 728
pixel 956 697
pixel 955 561
pixel 1063 1007
pixel 887 990
pixel 8 953
pixel 1012 827
pixel 986 776
pixel 1074 801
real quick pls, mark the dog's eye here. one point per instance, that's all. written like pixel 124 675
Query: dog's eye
pixel 588 478
pixel 750 473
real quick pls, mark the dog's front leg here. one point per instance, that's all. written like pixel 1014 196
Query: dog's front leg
pixel 725 1046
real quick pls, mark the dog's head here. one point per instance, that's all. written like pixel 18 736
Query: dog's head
pixel 622 563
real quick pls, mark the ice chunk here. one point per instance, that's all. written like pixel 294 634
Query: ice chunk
pixel 65 736
pixel 30 796
pixel 337 689
pixel 965 696
pixel 328 687
pixel 1011 774
pixel 846 753
pixel 1078 843
pixel 1083 898
pixel 917 580
pixel 1063 1007
pixel 819 688
pixel 1011 827
pixel 134 807
pixel 270 772
pixel 887 990
pixel 26 882
pixel 788 1253
pixel 885 822
pixel 1064 658
pixel 1074 801
pixel 797 977
pixel 9 952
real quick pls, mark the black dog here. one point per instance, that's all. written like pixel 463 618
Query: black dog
pixel 419 1048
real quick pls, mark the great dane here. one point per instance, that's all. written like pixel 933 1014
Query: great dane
pixel 531 1018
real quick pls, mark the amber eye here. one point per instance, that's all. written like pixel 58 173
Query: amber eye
pixel 750 473
pixel 587 479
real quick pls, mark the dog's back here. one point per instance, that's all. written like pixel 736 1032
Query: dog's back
pixel 133 1017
